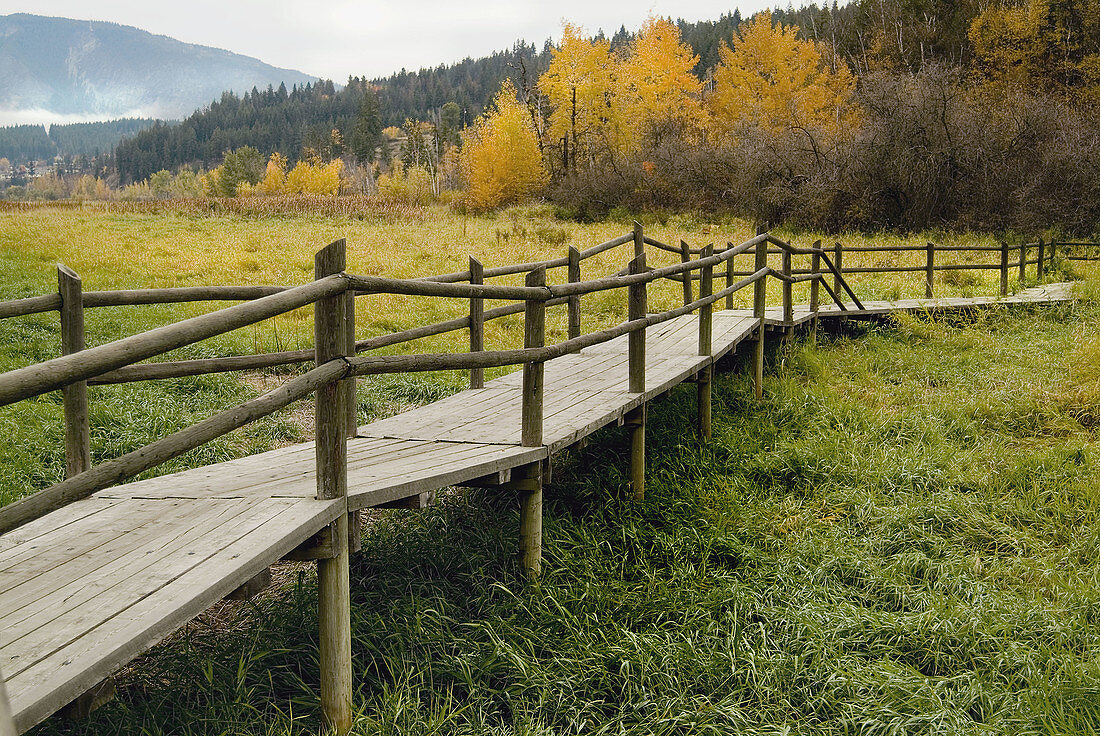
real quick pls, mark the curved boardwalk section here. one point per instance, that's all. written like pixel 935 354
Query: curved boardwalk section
pixel 87 586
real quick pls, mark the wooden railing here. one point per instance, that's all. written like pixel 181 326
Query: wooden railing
pixel 337 362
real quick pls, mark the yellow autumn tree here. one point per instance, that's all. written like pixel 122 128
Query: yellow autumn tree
pixel 1053 45
pixel 274 180
pixel 657 85
pixel 314 178
pixel 774 81
pixel 580 86
pixel 501 158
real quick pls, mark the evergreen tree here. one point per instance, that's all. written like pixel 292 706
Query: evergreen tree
pixel 366 134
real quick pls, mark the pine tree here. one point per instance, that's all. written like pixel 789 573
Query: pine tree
pixel 367 132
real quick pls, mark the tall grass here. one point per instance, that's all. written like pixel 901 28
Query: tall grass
pixel 902 538
pixel 180 244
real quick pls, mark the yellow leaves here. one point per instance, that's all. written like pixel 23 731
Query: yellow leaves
pixel 274 179
pixel 314 178
pixel 211 183
pixel 1039 42
pixel 579 84
pixel 501 156
pixel 411 186
pixel 657 80
pixel 1004 41
pixel 610 103
pixel 307 177
pixel 773 80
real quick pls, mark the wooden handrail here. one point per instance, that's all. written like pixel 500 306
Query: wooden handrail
pixel 50 375
pixel 133 463
pixel 423 362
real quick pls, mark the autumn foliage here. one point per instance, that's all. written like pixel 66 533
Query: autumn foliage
pixel 501 157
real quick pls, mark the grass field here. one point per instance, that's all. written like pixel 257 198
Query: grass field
pixel 902 538
pixel 116 248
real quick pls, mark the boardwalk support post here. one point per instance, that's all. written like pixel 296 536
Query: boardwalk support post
pixel 685 257
pixel 78 455
pixel 815 289
pixel 729 278
pixel 929 270
pixel 759 297
pixel 574 303
pixel 333 585
pixel 637 304
pixel 788 293
pixel 7 723
pixel 530 485
pixel 477 322
pixel 1004 268
pixel 350 400
pixel 838 256
pixel 1040 266
pixel 706 348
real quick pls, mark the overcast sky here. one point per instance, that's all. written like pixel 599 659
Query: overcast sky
pixel 338 38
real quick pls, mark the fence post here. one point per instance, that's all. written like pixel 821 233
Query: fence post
pixel 838 258
pixel 1023 261
pixel 685 257
pixel 637 305
pixel 815 288
pixel 788 291
pixel 930 271
pixel 534 336
pixel 759 299
pixel 574 303
pixel 1004 268
pixel 333 586
pixel 78 454
pixel 477 322
pixel 349 384
pixel 706 347
pixel 729 278
pixel 1040 267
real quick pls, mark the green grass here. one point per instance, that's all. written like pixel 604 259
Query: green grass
pixel 119 249
pixel 902 538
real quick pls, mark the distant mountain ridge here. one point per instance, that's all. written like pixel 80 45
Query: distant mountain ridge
pixel 59 69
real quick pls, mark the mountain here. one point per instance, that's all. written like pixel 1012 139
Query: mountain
pixel 63 70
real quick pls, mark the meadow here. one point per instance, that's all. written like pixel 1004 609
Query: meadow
pixel 902 538
pixel 173 244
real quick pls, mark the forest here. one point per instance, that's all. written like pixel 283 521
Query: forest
pixel 901 114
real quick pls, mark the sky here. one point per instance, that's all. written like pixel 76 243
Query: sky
pixel 335 39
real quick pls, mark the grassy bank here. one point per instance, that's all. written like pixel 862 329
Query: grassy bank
pixel 902 538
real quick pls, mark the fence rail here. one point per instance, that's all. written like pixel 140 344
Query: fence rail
pixel 337 361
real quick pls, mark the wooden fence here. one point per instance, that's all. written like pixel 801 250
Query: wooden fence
pixel 338 361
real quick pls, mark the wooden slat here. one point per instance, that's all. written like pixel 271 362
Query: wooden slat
pixel 65 673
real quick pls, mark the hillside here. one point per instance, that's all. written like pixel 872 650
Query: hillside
pixel 24 143
pixel 57 69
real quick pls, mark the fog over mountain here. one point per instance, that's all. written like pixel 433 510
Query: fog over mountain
pixel 58 70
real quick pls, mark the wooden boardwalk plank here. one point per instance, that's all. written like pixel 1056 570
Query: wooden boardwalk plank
pixel 190 588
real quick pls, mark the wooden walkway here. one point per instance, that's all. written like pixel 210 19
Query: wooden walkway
pixel 86 588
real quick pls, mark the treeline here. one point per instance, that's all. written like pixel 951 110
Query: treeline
pixel 877 113
pixel 23 143
pixel 314 119
pixel 989 121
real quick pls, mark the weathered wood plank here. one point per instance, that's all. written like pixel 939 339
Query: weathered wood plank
pixel 63 675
